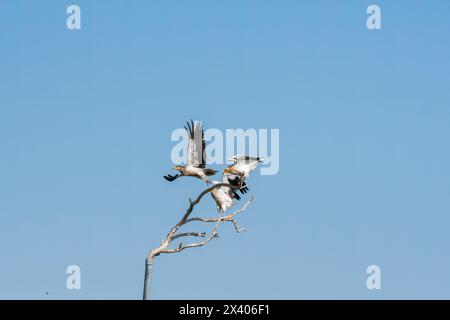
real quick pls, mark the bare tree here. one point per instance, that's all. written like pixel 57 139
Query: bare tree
pixel 174 234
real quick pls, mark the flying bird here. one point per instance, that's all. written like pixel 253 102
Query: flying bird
pixel 234 175
pixel 240 170
pixel 224 196
pixel 196 157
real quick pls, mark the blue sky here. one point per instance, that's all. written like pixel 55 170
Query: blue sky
pixel 85 124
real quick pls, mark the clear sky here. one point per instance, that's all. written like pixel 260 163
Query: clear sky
pixel 85 123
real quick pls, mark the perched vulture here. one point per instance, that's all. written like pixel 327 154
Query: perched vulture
pixel 224 196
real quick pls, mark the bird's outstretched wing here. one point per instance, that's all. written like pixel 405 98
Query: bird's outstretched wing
pixel 245 164
pixel 246 160
pixel 196 145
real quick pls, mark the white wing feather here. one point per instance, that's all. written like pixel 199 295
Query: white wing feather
pixel 196 153
pixel 245 164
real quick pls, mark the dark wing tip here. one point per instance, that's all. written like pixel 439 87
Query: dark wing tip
pixel 171 178
pixel 243 190
pixel 189 129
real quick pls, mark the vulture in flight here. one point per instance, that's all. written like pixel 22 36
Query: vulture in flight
pixel 196 158
pixel 235 176
pixel 240 170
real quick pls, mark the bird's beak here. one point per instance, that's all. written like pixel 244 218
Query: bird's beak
pixel 174 167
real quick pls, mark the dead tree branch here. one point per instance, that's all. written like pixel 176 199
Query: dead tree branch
pixel 173 233
pixel 227 218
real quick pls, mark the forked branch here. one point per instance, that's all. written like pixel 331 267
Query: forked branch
pixel 173 233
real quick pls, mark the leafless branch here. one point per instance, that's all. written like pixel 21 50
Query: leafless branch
pixel 173 233
pixel 227 218
pixel 182 247
pixel 189 234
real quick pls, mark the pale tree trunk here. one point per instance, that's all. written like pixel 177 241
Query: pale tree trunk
pixel 148 277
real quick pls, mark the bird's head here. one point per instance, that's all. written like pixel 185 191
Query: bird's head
pixel 176 168
pixel 228 170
